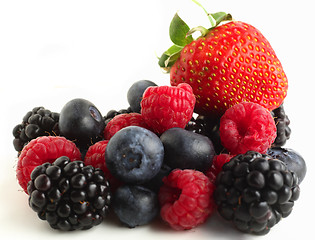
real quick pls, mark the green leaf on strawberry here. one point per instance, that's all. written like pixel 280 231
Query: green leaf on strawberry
pixel 221 17
pixel 178 34
pixel 170 56
pixel 178 30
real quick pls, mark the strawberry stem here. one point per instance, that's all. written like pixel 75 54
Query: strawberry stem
pixel 211 19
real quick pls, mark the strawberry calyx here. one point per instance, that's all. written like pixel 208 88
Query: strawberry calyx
pixel 181 35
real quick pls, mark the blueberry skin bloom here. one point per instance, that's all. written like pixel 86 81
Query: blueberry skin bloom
pixel 134 155
pixel 135 205
pixel 81 120
pixel 186 149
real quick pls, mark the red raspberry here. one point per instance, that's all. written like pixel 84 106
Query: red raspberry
pixel 121 121
pixel 186 199
pixel 95 156
pixel 218 162
pixel 41 150
pixel 165 107
pixel 247 126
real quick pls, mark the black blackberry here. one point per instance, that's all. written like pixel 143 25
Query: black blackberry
pixel 208 127
pixel 35 123
pixel 69 195
pixel 282 123
pixel 255 191
pixel 112 113
pixel 197 126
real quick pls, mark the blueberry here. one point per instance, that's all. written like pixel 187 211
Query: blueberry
pixel 294 161
pixel 134 155
pixel 80 120
pixel 186 149
pixel 135 93
pixel 135 205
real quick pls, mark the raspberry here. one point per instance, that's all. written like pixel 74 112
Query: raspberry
pixel 69 195
pixel 247 126
pixel 166 107
pixel 215 169
pixel 186 199
pixel 122 121
pixel 41 150
pixel 95 156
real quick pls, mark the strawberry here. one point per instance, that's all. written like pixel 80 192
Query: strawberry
pixel 227 64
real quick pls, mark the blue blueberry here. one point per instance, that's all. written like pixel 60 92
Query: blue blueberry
pixel 134 155
pixel 80 120
pixel 294 161
pixel 186 149
pixel 135 92
pixel 135 205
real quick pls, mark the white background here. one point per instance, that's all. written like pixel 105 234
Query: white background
pixel 53 51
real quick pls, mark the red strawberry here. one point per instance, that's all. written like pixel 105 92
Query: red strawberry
pixel 228 64
pixel 165 107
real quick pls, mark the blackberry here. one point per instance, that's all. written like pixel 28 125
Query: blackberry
pixel 197 126
pixel 69 195
pixel 112 113
pixel 255 191
pixel 35 123
pixel 208 127
pixel 282 123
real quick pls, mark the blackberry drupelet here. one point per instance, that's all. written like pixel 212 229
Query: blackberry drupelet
pixel 255 191
pixel 112 113
pixel 69 195
pixel 282 123
pixel 38 122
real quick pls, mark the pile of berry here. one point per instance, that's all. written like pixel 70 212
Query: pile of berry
pixel 212 141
